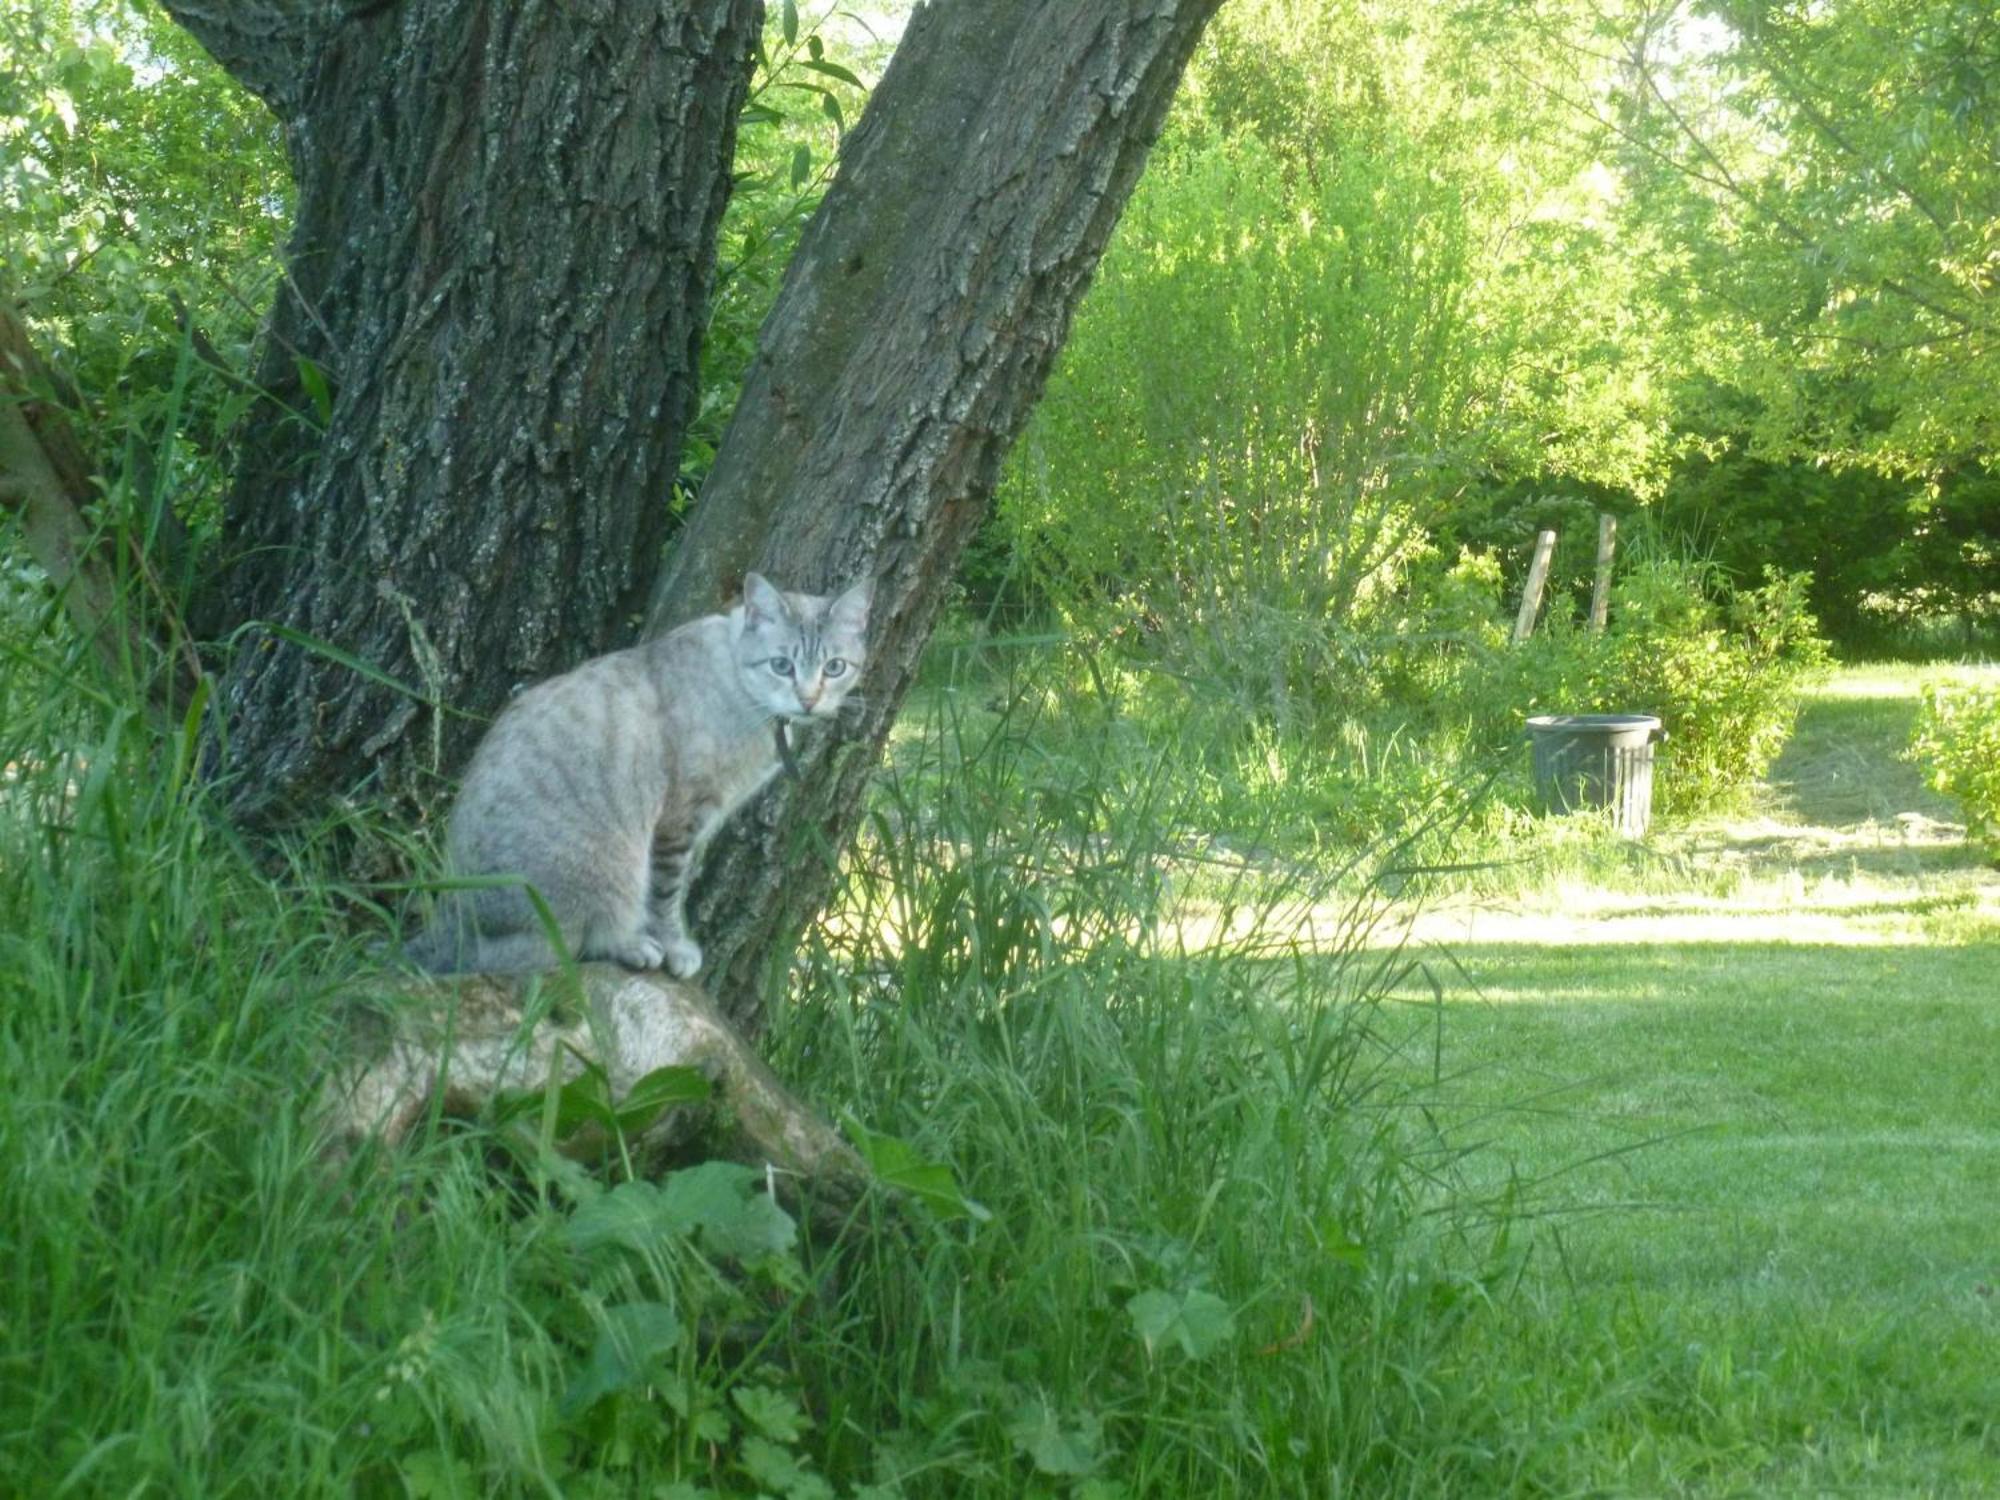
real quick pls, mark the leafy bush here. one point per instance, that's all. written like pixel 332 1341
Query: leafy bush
pixel 1721 669
pixel 1958 743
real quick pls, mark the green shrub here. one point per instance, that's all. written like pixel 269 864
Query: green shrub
pixel 1721 669
pixel 1958 743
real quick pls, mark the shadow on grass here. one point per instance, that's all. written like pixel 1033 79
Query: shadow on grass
pixel 1844 766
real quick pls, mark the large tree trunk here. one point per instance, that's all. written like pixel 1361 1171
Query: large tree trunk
pixel 506 227
pixel 495 292
pixel 915 329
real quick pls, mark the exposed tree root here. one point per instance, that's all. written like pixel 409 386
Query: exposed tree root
pixel 455 1046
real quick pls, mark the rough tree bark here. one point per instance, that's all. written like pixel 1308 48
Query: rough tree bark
pixel 916 326
pixel 494 296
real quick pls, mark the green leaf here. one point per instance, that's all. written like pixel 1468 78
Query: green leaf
pixel 635 1336
pixel 802 164
pixel 659 1091
pixel 898 1165
pixel 190 736
pixel 709 1425
pixel 1197 1322
pixel 719 1203
pixel 333 653
pixel 437 1476
pixel 831 106
pixel 781 1472
pixel 313 378
pixel 631 1216
pixel 832 70
pixel 1057 1449
pixel 772 1413
pixel 788 21
pixel 584 1100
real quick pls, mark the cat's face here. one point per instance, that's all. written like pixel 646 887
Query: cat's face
pixel 799 654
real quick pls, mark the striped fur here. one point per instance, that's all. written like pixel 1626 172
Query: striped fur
pixel 600 788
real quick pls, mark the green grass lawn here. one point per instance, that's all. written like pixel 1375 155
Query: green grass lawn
pixel 1762 1134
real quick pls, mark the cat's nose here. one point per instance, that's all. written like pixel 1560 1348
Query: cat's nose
pixel 808 696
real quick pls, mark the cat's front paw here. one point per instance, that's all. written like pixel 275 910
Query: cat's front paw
pixel 683 957
pixel 639 953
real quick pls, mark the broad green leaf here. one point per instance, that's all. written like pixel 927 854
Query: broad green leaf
pixel 802 164
pixel 1196 1322
pixel 631 1215
pixel 1056 1448
pixel 635 1335
pixel 719 1203
pixel 788 21
pixel 898 1165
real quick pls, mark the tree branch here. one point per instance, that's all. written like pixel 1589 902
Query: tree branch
pixel 268 46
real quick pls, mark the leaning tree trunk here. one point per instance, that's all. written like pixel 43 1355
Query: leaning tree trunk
pixel 917 323
pixel 481 364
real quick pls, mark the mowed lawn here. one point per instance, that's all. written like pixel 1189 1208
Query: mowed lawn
pixel 1756 1121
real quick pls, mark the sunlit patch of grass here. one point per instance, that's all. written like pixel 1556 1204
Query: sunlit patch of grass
pixel 1741 1077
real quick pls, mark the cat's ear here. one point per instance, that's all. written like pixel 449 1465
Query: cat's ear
pixel 850 610
pixel 762 604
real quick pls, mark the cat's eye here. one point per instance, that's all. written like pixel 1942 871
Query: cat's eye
pixel 834 666
pixel 782 665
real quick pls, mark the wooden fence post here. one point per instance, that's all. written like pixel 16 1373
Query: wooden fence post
pixel 1531 596
pixel 1600 595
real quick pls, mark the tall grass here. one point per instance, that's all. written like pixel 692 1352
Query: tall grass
pixel 1220 1253
pixel 1149 1106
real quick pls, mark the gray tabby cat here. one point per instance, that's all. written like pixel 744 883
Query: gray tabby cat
pixel 601 787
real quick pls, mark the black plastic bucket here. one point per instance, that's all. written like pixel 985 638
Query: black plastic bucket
pixel 1597 760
